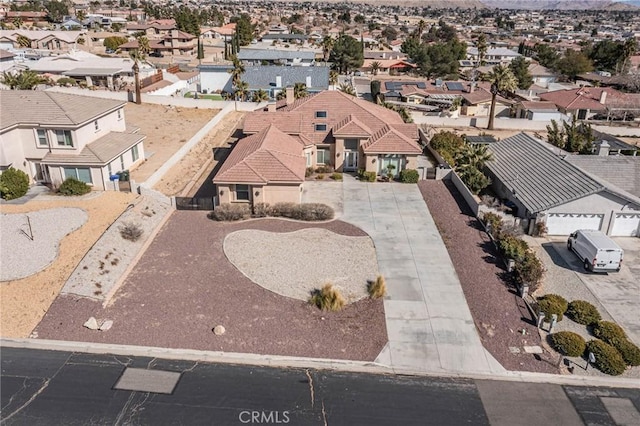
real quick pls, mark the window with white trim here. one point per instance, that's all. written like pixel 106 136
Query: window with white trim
pixel 308 157
pixel 134 153
pixel 81 173
pixel 321 114
pixel 42 137
pixel 63 138
pixel 320 127
pixel 323 156
pixel 242 193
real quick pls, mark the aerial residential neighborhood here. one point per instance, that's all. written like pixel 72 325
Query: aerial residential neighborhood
pixel 248 211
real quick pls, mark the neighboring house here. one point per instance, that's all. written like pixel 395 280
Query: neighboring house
pixel 215 78
pixel 285 38
pixel 175 43
pixel 330 129
pixel 28 18
pixel 225 32
pixel 494 56
pixel 541 76
pixel 47 40
pixel 53 136
pixel 153 29
pixel 10 62
pixel 274 79
pixel 276 57
pixel 478 104
pixel 585 102
pixel 547 188
pixel 612 145
pixel 538 111
pixel 387 66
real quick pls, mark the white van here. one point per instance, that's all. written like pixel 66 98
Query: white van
pixel 597 251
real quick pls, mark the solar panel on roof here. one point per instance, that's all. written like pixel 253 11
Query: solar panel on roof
pixel 454 85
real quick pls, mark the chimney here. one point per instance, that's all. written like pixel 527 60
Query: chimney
pixel 603 97
pixel 271 106
pixel 603 149
pixel 308 82
pixel 290 96
pixel 278 81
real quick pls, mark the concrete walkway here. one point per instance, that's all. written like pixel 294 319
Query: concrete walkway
pixel 429 325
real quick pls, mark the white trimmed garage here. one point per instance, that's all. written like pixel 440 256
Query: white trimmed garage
pixel 566 223
pixel 625 225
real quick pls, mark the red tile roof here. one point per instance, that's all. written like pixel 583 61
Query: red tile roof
pixel 265 157
pixel 351 126
pixel 582 98
pixel 288 122
pixel 389 140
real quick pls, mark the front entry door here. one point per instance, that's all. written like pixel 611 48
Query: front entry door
pixel 351 160
pixel 41 173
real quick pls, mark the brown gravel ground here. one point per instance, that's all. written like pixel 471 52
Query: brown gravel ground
pixel 183 286
pixel 498 312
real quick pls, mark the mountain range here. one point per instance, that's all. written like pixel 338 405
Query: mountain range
pixel 563 4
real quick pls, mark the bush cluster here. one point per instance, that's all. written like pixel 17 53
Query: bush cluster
pixel 529 270
pixel 583 312
pixel 568 343
pixel 367 176
pixel 336 176
pixel 493 222
pixel 309 212
pixel 630 353
pixel 14 183
pixel 230 212
pixel 608 359
pixel 609 332
pixel 552 304
pixel 324 169
pixel 131 231
pixel 512 247
pixel 328 298
pixel 73 186
pixel 409 176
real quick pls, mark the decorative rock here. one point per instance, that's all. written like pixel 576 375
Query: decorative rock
pixel 91 324
pixel 533 349
pixel 219 330
pixel 106 325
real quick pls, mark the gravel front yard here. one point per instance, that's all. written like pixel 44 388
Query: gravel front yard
pixel 294 264
pixel 499 314
pixel 184 285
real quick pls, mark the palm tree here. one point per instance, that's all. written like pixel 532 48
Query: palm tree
pixel 139 54
pixel 502 80
pixel 23 80
pixel 333 77
pixel 347 88
pixel 473 156
pixel 241 89
pixel 327 46
pixel 375 67
pixel 260 96
pixel 299 90
pixel 481 45
pixel 23 41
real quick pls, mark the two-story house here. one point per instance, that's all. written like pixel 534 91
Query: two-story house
pixel 53 136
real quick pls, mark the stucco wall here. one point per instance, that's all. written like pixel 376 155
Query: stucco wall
pixel 282 193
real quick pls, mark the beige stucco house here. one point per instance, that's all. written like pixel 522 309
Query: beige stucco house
pixel 53 136
pixel 330 129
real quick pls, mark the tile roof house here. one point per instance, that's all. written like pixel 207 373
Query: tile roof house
pixel 329 129
pixel 52 136
pixel 585 101
pixel 547 188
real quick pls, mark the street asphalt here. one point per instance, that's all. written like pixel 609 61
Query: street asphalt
pixel 63 388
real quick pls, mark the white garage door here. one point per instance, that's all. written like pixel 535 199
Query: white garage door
pixel 566 223
pixel 626 225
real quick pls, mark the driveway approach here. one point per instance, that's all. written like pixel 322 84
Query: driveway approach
pixel 429 324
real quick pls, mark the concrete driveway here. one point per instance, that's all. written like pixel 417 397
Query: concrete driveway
pixel 429 324
pixel 618 292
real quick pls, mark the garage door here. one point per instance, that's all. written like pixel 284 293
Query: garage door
pixel 626 225
pixel 566 223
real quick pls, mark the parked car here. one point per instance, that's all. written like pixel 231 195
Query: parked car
pixel 155 54
pixel 598 252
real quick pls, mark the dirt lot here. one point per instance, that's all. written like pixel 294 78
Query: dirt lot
pixel 184 285
pixel 167 129
pixel 24 302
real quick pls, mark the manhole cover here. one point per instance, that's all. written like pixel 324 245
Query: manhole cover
pixel 141 380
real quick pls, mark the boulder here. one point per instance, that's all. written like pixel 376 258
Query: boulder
pixel 106 325
pixel 219 330
pixel 91 324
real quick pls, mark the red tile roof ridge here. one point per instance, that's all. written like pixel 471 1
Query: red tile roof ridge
pixel 350 119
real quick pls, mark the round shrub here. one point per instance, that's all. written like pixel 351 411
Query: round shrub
pixel 14 183
pixel 568 343
pixel 409 176
pixel 552 304
pixel 608 359
pixel 73 186
pixel 630 353
pixel 610 332
pixel 583 312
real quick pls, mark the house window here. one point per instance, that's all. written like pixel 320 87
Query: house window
pixel 42 137
pixel 80 173
pixel 96 126
pixel 324 156
pixel 242 192
pixel 321 114
pixel 308 157
pixel 134 153
pixel 321 127
pixel 351 144
pixel 63 137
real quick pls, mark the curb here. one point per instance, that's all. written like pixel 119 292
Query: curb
pixel 278 361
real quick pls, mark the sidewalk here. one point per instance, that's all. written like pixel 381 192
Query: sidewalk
pixel 429 325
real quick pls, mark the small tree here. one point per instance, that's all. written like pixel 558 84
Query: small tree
pixel 14 183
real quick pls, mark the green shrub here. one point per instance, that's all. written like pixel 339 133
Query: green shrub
pixel 320 176
pixel 610 332
pixel 324 169
pixel 529 270
pixel 568 343
pixel 552 304
pixel 368 176
pixel 608 359
pixel 630 353
pixel 230 212
pixel 474 179
pixel 66 81
pixel 409 176
pixel 328 298
pixel 308 172
pixel 583 312
pixel 377 288
pixel 14 183
pixel 512 247
pixel 261 210
pixel 131 231
pixel 447 145
pixel 73 186
pixel 307 211
pixel 493 222
pixel 336 176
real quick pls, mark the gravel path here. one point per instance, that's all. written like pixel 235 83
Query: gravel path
pixel 296 263
pixel 184 285
pixel 20 255
pixel 499 314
